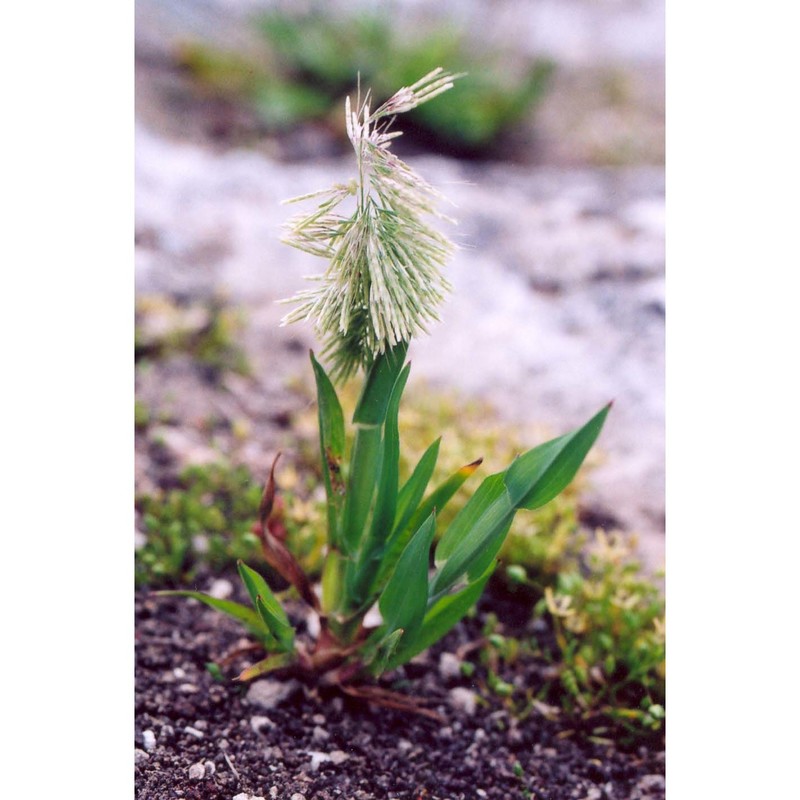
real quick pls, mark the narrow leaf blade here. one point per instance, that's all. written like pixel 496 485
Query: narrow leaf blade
pixel 440 618
pixel 267 606
pixel 247 616
pixel 380 380
pixel 413 489
pixel 371 550
pixel 332 446
pixel 268 664
pixel 404 599
pixel 541 474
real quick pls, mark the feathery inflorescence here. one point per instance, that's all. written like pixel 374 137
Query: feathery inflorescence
pixel 384 278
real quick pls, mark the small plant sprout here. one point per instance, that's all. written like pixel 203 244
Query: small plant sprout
pixel 384 552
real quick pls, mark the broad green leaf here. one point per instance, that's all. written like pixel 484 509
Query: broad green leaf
pixel 364 466
pixel 541 474
pixel 378 385
pixel 385 651
pixel 487 493
pixel 383 514
pixel 405 597
pixel 332 446
pixel 283 633
pixel 439 619
pixel 267 606
pixel 476 534
pixel 333 573
pixel 247 616
pixel 413 489
pixel 268 664
pixel 436 501
pixel 439 498
pixel 478 538
pixel 369 417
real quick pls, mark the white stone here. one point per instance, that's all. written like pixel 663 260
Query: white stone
pixel 449 666
pixel 317 759
pixel 269 693
pixel 338 756
pixel 221 588
pixel 149 741
pixel 320 734
pixel 139 756
pixel 259 722
pixel 463 700
pixel 197 771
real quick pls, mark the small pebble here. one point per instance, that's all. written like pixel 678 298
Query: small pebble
pixel 221 588
pixel 149 741
pixel 449 666
pixel 273 792
pixel 297 796
pixel 464 700
pixel 270 693
pixel 211 767
pixel 188 688
pixel 258 722
pixel 139 756
pixel 319 719
pixel 320 734
pixel 193 732
pixel 650 782
pixel 339 756
pixel 317 759
pixel 197 772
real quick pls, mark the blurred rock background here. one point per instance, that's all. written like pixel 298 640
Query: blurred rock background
pixel 557 182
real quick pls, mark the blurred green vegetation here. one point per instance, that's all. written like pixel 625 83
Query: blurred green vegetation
pixel 312 60
pixel 204 330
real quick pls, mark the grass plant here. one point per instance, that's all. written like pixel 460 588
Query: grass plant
pixel 382 287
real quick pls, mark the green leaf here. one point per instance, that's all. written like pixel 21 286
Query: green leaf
pixel 371 550
pixel 247 616
pixel 378 386
pixel 369 417
pixel 385 651
pixel 364 466
pixel 541 474
pixel 332 446
pixel 436 501
pixel 443 615
pixel 267 606
pixel 283 633
pixel 333 573
pixel 439 498
pixel 402 603
pixel 413 489
pixel 268 664
pixel 475 536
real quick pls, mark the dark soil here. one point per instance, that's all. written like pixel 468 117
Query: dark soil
pixel 212 743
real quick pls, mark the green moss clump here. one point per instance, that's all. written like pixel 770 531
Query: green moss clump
pixel 207 520
pixel 608 620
